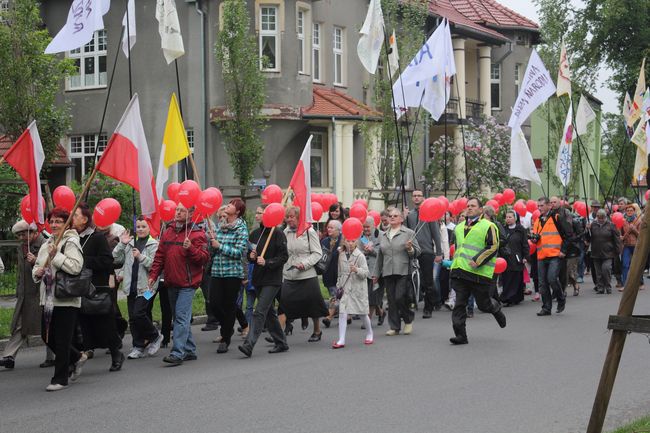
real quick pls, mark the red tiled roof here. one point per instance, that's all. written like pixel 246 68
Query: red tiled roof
pixel 330 102
pixel 445 9
pixel 61 158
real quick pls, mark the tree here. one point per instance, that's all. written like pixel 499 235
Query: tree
pixel 618 151
pixel 244 84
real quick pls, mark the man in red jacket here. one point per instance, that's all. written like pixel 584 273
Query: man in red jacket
pixel 181 256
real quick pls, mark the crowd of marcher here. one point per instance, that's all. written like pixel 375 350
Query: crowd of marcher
pixel 263 279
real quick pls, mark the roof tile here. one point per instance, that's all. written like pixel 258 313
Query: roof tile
pixel 330 102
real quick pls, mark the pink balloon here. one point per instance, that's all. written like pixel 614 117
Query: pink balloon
pixel 107 211
pixel 188 193
pixel 431 209
pixel 63 197
pixel 272 194
pixel 647 194
pixel 167 210
pixel 352 229
pixel 273 215
pixel 172 190
pixel 359 212
pixel 209 201
pixel 508 196
pixel 316 211
pixel 500 266
pixel 376 216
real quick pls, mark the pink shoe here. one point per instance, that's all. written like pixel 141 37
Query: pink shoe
pixel 536 297
pixel 336 345
pixel 368 342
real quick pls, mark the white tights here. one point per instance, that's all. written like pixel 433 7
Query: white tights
pixel 343 325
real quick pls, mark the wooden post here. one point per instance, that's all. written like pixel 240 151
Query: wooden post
pixel 617 340
pixel 284 201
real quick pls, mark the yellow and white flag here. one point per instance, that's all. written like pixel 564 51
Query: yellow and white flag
pixel 637 98
pixel 627 107
pixel 393 56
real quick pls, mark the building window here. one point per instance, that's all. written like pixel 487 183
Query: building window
pixel 4 6
pixel 495 86
pixel 339 56
pixel 190 138
pixel 318 162
pixel 300 29
pixel 517 78
pixel 90 62
pixel 269 39
pixel 315 44
pixel 82 153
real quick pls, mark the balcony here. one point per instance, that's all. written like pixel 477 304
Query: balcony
pixel 473 111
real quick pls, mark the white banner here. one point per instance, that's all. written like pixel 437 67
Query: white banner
pixel 84 19
pixel 584 116
pixel 564 154
pixel 372 37
pixel 170 30
pixel 537 88
pixel 129 32
pixel 521 160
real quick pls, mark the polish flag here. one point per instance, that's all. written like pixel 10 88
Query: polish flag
pixel 26 156
pixel 301 186
pixel 127 160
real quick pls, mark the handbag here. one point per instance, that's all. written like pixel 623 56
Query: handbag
pixel 323 263
pixel 72 286
pixel 340 291
pixel 97 303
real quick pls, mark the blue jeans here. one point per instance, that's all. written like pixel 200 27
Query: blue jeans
pixel 180 299
pixel 548 271
pixel 581 262
pixel 250 303
pixel 626 260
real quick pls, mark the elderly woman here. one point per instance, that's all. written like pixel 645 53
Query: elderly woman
pixel 368 244
pixel 59 317
pixel 300 294
pixel 98 330
pixel 330 245
pixel 629 237
pixel 605 244
pixel 397 247
pixel 230 245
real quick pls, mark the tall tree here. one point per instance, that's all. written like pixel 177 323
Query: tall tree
pixel 244 84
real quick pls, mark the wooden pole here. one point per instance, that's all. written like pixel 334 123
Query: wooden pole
pixel 268 240
pixel 617 340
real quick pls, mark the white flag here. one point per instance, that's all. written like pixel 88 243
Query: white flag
pixel 627 107
pixel 85 17
pixel 637 98
pixel 537 88
pixel 372 37
pixel 584 116
pixel 564 154
pixel 129 32
pixel 426 80
pixel 393 56
pixel 640 164
pixel 563 75
pixel 639 137
pixel 521 161
pixel 169 29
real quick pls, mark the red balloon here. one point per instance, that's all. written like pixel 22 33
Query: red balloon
pixel 618 219
pixel 532 247
pixel 520 208
pixel 581 208
pixel 172 190
pixel 273 215
pixel 352 229
pixel 316 211
pixel 452 250
pixel 431 209
pixel 362 202
pixel 63 196
pixel 463 201
pixel 328 200
pixel 508 196
pixel 444 201
pixel 376 216
pixel 167 210
pixel 197 217
pixel 318 198
pixel 494 204
pixel 498 197
pixel 26 208
pixel 536 215
pixel 272 194
pixel 107 211
pixel 455 207
pixel 188 193
pixel 500 265
pixel 359 212
pixel 615 208
pixel 209 201
pixel 531 206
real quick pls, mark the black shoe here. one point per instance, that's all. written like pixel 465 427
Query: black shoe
pixel 171 359
pixel 356 317
pixel 288 329
pixel 560 307
pixel 9 363
pixel 470 314
pixel 600 292
pixel 315 337
pixel 304 323
pixel 426 314
pixel 47 363
pixel 327 322
pixel 116 365
pixel 223 347
pixel 458 340
pixel 279 349
pixel 269 340
pixel 246 350
pixel 543 312
pixel 381 319
pixel 190 357
pixel 349 320
pixel 437 307
pixel 500 318
pixel 210 327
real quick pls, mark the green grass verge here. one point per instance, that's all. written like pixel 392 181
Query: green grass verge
pixel 5 321
pixel 641 425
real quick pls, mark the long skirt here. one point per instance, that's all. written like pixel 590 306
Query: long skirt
pixel 513 287
pixel 302 298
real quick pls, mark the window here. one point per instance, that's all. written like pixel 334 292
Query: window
pixel 4 6
pixel 517 78
pixel 82 153
pixel 315 44
pixel 318 161
pixel 190 138
pixel 339 51
pixel 300 29
pixel 269 39
pixel 90 62
pixel 495 86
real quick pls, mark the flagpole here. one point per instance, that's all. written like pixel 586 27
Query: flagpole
pixel 548 146
pixel 268 240
pixel 446 141
pixel 128 47
pixel 462 129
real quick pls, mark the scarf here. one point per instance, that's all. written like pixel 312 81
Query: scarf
pixel 225 226
pixel 630 218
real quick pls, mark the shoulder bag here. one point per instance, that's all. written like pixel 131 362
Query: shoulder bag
pixel 72 286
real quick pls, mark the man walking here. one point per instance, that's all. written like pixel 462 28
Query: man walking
pixel 605 245
pixel 430 259
pixel 181 256
pixel 477 243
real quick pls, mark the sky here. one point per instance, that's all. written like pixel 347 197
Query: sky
pixel 609 98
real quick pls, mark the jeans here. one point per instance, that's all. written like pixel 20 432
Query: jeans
pixel 142 328
pixel 626 260
pixel 399 300
pixel 550 287
pixel 603 274
pixel 181 302
pixel 581 262
pixel 265 314
pixel 250 303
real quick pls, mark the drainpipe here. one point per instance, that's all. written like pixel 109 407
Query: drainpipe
pixel 204 91
pixel 334 153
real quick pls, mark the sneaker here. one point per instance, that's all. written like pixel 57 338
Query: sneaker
pixel 223 347
pixel 190 357
pixel 7 362
pixel 136 353
pixel 391 332
pixel 171 359
pixel 55 387
pixel 77 367
pixel 408 329
pixel 154 346
pixel 580 280
pixel 458 340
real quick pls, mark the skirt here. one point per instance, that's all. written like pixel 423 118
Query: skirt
pixel 302 298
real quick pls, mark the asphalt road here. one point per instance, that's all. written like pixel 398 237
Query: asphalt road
pixel 539 375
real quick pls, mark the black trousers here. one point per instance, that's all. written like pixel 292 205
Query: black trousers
pixel 399 300
pixel 223 301
pixel 464 289
pixel 59 340
pixel 142 328
pixel 205 289
pixel 264 316
pixel 165 312
pixel 429 289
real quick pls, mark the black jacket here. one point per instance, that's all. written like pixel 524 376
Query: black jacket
pixel 97 256
pixel 519 250
pixel 605 240
pixel 276 256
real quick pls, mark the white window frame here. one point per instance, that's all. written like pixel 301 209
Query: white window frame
pixel 495 79
pixel 82 147
pixel 90 51
pixel 338 51
pixel 517 78
pixel 189 133
pixel 317 59
pixel 302 43
pixel 265 33
pixel 321 153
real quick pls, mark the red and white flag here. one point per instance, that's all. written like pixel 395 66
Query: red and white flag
pixel 301 186
pixel 127 160
pixel 26 156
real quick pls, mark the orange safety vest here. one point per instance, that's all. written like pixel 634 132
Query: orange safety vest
pixel 550 242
